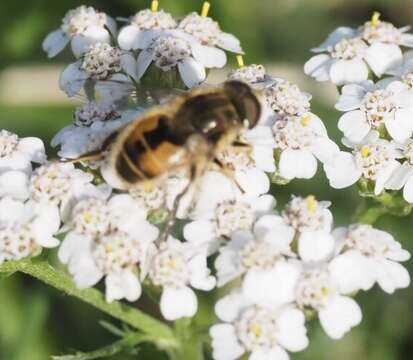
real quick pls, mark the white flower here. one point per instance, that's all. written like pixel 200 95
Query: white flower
pixel 94 122
pixel 385 40
pixel 133 35
pixel 25 228
pixel 375 161
pixel 209 34
pixel 260 257
pixel 254 75
pixel 402 177
pixel 211 228
pixel 376 106
pixel 312 222
pixel 300 141
pixel 60 184
pixel 81 27
pixel 264 333
pixel 178 267
pixel 14 184
pixel 404 71
pixel 174 49
pixel 317 289
pixel 369 255
pixel 100 62
pixel 18 153
pixel 103 242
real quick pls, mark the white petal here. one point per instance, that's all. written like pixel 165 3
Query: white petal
pixel 400 127
pixel 229 42
pixel 55 42
pixel 11 210
pixel 200 232
pixel 192 72
pixel 399 177
pixel 274 229
pixel 342 171
pixel 408 190
pixel 297 164
pixel 200 273
pixel 354 125
pixel 72 79
pixel 276 353
pixel 315 245
pixel 34 148
pixel 144 60
pixel 292 333
pixel 210 57
pixel 348 71
pixel 122 285
pixel 318 67
pixel 130 37
pixel 178 303
pixel 253 181
pixel 224 342
pixel 407 40
pixel 14 184
pixel 263 157
pixel 94 34
pixel 351 272
pixel 341 32
pixel 129 65
pixel 382 57
pixel 351 97
pixel 271 287
pixel 84 271
pixel 391 276
pixel 384 175
pixel 229 307
pixel 324 149
pixel 339 316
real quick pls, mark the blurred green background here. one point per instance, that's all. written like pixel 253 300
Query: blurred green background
pixel 36 321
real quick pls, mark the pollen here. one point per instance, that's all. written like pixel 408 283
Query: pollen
pixel 240 61
pixel 311 204
pixel 375 18
pixel 205 8
pixel 88 217
pixel 365 151
pixel 305 120
pixel 109 248
pixel 155 5
pixel 256 330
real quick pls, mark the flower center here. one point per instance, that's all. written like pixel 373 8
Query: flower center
pixel 365 240
pixel 153 20
pixel 250 74
pixel 236 159
pixel 259 254
pixel 314 288
pixel 373 158
pixel 8 143
pixel 50 183
pixel 293 132
pixel 169 267
pixel 286 98
pixel 91 216
pixel 349 49
pixel 101 61
pixel 408 80
pixel 203 28
pixel 17 242
pixel 306 214
pixel 168 51
pixel 231 216
pixel 257 328
pixel 378 106
pixel 77 21
pixel 115 252
pixel 93 111
pixel 381 31
pixel 149 196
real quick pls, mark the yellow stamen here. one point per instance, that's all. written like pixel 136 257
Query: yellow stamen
pixel 365 151
pixel 205 8
pixel 256 330
pixel 109 248
pixel 155 5
pixel 88 217
pixel 325 291
pixel 240 61
pixel 305 120
pixel 172 263
pixel 375 18
pixel 148 186
pixel 311 204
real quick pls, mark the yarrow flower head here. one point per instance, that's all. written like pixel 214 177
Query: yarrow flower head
pixel 254 75
pixel 261 332
pixel 99 62
pixel 81 27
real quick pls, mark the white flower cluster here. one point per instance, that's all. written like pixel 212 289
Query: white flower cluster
pixel 376 123
pixel 286 266
pixel 300 136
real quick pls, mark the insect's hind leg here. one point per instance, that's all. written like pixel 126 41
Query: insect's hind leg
pixel 175 206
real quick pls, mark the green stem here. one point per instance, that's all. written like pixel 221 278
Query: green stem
pixel 58 279
pixel 371 214
pixel 127 343
pixel 190 342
